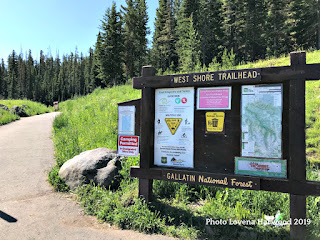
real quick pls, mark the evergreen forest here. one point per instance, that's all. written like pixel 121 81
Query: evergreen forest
pixel 189 35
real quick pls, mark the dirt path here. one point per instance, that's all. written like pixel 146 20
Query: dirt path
pixel 29 209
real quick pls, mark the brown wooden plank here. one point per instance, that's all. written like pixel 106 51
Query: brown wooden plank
pixel 297 146
pixel 146 134
pixel 297 231
pixel 151 81
pixel 312 71
pixel 266 184
pixel 145 189
pixel 144 173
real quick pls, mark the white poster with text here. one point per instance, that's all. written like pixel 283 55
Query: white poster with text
pixel 174 121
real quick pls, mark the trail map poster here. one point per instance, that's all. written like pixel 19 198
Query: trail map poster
pixel 173 136
pixel 261 120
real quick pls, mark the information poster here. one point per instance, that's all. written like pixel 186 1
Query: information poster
pixel 214 122
pixel 128 146
pixel 173 136
pixel 261 120
pixel 214 98
pixel 126 120
pixel 261 167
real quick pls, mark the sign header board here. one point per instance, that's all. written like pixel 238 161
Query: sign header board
pixel 206 78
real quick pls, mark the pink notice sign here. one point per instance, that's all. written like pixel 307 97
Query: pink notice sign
pixel 214 98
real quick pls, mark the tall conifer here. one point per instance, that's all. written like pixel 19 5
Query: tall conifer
pixel 112 43
pixel 164 38
pixel 306 23
pixel 278 37
pixel 135 31
pixel 3 86
pixel 210 22
pixel 12 77
pixel 30 75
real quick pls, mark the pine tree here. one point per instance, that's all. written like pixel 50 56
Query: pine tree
pixel 234 27
pixel 75 74
pixel 62 80
pixel 191 7
pixel 55 80
pixel 190 47
pixel 255 15
pixel 164 38
pixel 99 62
pixel 135 31
pixel 30 76
pixel 278 30
pixel 87 70
pixel 142 31
pixel 210 22
pixel 47 84
pixel 81 74
pixel 94 73
pixel 111 72
pixel 188 44
pixel 22 77
pixel 306 23
pixel 3 75
pixel 12 77
pixel 39 92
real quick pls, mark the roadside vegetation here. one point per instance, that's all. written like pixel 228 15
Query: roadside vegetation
pixel 178 210
pixel 31 108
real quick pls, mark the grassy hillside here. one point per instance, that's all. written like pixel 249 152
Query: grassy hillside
pixel 31 108
pixel 178 210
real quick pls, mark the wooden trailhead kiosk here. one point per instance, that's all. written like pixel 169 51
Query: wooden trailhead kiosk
pixel 237 128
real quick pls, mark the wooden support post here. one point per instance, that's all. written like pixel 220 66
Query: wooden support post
pixel 146 134
pixel 297 148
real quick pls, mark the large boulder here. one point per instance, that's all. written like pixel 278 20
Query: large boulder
pixel 4 107
pixel 99 165
pixel 18 111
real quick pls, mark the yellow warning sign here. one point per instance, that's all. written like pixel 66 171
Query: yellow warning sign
pixel 173 124
pixel 214 121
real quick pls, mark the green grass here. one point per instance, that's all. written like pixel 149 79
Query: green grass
pixel 178 210
pixel 89 122
pixel 31 108
pixel 6 117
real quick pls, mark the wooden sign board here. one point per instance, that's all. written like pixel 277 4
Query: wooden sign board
pixel 213 155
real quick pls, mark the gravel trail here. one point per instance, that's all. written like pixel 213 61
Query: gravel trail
pixel 29 208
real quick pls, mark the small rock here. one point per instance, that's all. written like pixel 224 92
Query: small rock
pixel 99 165
pixel 18 111
pixel 4 107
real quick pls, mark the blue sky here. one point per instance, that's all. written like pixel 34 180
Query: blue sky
pixel 56 26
